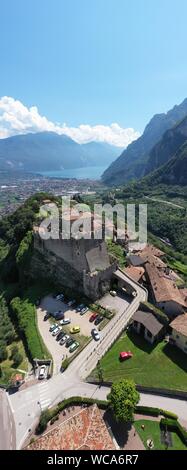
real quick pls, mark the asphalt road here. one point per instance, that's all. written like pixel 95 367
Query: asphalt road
pixel 7 427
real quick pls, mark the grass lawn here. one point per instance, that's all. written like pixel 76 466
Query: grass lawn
pixel 152 431
pixel 161 366
pixel 7 370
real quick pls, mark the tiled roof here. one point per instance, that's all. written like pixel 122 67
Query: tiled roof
pixel 180 324
pixel 136 273
pixel 84 430
pixel 163 287
pixel 149 321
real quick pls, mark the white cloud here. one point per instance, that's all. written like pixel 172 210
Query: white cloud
pixel 15 118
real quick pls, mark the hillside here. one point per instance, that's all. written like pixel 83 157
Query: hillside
pixel 170 143
pixel 132 163
pixel 174 172
pixel 50 151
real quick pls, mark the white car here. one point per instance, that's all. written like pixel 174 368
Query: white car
pixel 56 331
pixel 65 321
pixel 95 334
pixel 64 339
pixel 42 373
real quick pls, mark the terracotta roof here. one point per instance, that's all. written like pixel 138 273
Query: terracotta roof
pixel 151 250
pixel 163 287
pixel 84 430
pixel 136 273
pixel 180 324
pixel 149 321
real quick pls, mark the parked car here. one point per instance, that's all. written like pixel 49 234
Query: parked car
pixel 71 303
pixel 80 307
pixel 42 373
pixel 64 339
pixel 125 355
pixel 93 317
pixel 58 315
pixel 75 329
pixel 47 316
pixel 98 320
pixel 95 334
pixel 84 310
pixel 52 327
pixel 113 293
pixel 74 346
pixel 56 331
pixel 65 321
pixel 60 335
pixel 69 342
pixel 60 297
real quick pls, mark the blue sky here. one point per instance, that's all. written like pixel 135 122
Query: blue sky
pixel 94 61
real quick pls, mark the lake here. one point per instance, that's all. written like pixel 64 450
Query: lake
pixel 90 172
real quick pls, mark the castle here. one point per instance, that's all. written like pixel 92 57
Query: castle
pixel 82 265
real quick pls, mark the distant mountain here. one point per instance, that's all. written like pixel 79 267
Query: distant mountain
pixel 50 151
pixel 133 162
pixel 101 153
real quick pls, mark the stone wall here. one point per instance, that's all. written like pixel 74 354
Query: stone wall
pixel 71 269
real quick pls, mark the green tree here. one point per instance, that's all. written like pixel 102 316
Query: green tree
pixel 44 418
pixel 123 399
pixel 3 351
pixel 17 359
pixel 14 350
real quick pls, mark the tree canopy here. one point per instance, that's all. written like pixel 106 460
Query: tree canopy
pixel 123 399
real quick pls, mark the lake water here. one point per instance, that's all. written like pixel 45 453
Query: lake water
pixel 90 172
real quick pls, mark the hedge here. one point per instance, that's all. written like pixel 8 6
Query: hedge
pixel 50 415
pixel 147 410
pixel 168 414
pixel 175 426
pixel 25 314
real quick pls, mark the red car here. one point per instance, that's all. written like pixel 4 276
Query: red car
pixel 93 317
pixel 125 355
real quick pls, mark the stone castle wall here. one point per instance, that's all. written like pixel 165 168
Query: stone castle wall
pixel 61 262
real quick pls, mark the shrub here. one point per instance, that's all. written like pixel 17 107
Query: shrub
pixel 175 426
pixel 14 350
pixel 17 359
pixel 168 414
pixel 53 414
pixel 25 314
pixel 3 351
pixel 147 410
pixel 65 364
pixel 44 418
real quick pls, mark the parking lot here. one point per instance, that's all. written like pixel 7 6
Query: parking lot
pixel 119 303
pixel 51 305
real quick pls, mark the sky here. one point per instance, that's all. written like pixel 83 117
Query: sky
pixel 93 69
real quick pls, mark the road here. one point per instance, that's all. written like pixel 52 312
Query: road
pixel 7 428
pixel 27 404
pixel 165 202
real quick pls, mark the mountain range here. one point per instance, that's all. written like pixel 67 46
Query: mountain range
pixel 48 151
pixel 161 141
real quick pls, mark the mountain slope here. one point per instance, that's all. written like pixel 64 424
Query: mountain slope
pixel 168 145
pixel 50 151
pixel 173 172
pixel 133 161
